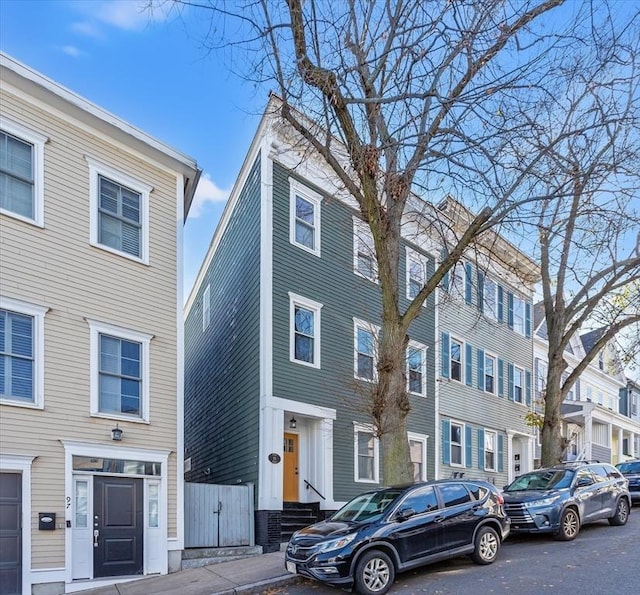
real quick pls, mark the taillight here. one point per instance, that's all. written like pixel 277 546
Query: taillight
pixel 500 499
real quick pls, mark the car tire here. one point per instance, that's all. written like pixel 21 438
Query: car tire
pixel 569 525
pixel 374 574
pixel 621 515
pixel 486 546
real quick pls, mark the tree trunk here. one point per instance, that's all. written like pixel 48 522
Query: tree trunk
pixel 551 438
pixel 392 419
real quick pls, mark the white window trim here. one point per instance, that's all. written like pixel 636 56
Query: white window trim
pixel 206 308
pixel 423 349
pixel 38 313
pixel 297 189
pixel 315 307
pixel 495 449
pixel 96 169
pixel 412 254
pixel 463 446
pixel 453 339
pixel 522 386
pixel 360 227
pixel 495 373
pixel 368 428
pixel 423 439
pixel 357 323
pixel 98 328
pixel 38 141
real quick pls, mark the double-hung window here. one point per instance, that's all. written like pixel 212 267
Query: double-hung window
pixel 119 212
pixel 366 454
pixel 518 384
pixel 119 372
pixel 418 455
pixel 416 368
pixel 490 374
pixel 21 353
pixel 366 350
pixel 416 273
pixel 304 347
pixel 304 230
pixel 518 315
pixel 21 172
pixel 490 298
pixel 456 444
pixel 364 254
pixel 456 360
pixel 489 450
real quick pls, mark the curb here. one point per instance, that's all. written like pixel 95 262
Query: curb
pixel 258 587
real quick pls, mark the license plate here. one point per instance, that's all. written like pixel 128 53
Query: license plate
pixel 291 567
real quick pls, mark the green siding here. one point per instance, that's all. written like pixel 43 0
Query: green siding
pixel 222 383
pixel 330 280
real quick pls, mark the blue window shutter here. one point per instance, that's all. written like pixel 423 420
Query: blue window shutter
pixel 445 280
pixel 577 385
pixel 500 303
pixel 446 441
pixel 468 362
pixel 527 319
pixel 510 390
pixel 481 369
pixel 467 446
pixel 445 355
pixel 510 309
pixel 480 290
pixel 480 448
pixel 500 377
pixel 527 379
pixel 468 285
pixel 500 449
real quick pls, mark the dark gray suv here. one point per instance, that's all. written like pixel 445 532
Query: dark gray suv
pixel 631 470
pixel 562 498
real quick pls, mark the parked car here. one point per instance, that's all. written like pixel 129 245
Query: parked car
pixel 562 498
pixel 631 470
pixel 389 530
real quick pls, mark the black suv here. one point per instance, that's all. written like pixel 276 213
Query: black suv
pixel 631 470
pixel 562 498
pixel 390 530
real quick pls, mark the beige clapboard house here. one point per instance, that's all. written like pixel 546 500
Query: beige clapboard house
pixel 91 341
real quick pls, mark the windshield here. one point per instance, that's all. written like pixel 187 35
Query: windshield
pixel 632 467
pixel 546 479
pixel 366 506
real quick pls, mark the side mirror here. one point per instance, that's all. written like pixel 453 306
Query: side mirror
pixel 583 482
pixel 405 513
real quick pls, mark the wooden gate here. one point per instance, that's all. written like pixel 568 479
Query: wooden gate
pixel 218 515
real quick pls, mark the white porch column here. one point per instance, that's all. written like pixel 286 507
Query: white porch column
pixel 620 453
pixel 588 433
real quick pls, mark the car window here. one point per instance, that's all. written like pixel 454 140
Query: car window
pixel 586 473
pixel 544 479
pixel 630 467
pixel 454 494
pixel 477 491
pixel 599 473
pixel 365 506
pixel 422 500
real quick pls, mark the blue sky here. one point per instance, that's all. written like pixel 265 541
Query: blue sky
pixel 151 71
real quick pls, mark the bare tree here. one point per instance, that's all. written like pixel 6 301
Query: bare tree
pixel 405 98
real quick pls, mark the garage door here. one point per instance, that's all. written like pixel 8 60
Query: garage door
pixel 10 534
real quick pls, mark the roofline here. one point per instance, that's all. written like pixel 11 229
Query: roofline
pixel 57 89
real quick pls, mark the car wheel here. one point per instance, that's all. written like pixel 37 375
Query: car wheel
pixel 621 515
pixel 487 545
pixel 569 525
pixel 375 573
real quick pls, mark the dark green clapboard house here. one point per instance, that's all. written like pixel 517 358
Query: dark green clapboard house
pixel 280 335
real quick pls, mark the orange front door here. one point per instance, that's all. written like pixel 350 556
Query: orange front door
pixel 290 460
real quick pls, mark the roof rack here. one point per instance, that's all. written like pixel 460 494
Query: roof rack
pixel 581 462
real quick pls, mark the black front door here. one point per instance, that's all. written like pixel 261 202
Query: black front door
pixel 118 520
pixel 10 534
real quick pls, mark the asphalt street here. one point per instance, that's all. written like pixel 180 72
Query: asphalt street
pixel 602 560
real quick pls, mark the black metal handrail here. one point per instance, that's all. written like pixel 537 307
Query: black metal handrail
pixel 308 485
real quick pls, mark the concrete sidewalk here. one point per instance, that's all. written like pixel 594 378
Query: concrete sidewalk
pixel 250 575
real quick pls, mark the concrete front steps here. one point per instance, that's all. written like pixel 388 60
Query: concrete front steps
pixel 197 557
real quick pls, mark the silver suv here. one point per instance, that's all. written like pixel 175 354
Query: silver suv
pixel 562 498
